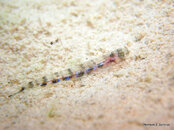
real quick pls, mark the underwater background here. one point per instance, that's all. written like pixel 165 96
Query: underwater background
pixel 43 40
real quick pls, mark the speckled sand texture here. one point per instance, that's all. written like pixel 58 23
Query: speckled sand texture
pixel 41 37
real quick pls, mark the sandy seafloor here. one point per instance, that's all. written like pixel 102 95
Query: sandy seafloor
pixel 41 37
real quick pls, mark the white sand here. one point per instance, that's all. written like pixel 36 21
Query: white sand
pixel 121 96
